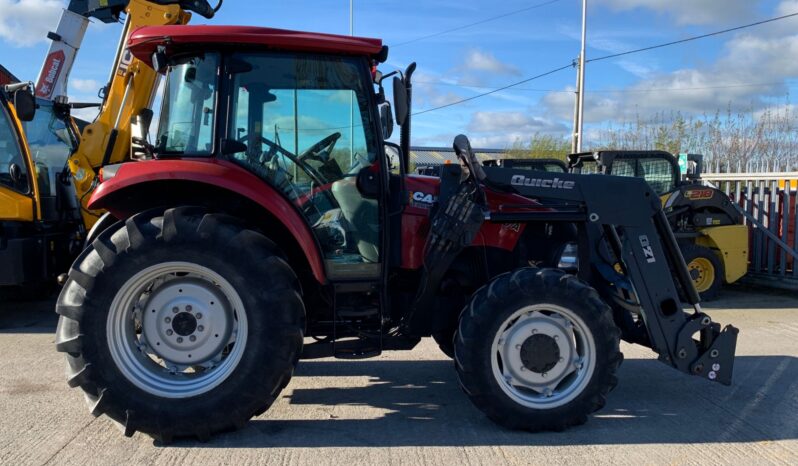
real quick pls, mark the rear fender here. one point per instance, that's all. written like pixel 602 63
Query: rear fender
pixel 138 186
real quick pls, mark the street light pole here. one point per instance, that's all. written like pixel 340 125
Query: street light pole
pixel 351 97
pixel 581 82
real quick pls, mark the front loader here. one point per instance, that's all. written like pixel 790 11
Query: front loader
pixel 267 227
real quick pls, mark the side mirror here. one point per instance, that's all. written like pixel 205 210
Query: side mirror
pixel 462 146
pixel 25 104
pixel 15 172
pixel 400 100
pixel 159 59
pixel 386 118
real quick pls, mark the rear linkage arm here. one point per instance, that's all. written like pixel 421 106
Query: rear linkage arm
pixel 646 246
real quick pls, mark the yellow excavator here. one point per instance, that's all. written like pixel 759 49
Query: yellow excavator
pixel 48 163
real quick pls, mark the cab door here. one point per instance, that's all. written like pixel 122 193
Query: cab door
pixel 17 192
pixel 306 124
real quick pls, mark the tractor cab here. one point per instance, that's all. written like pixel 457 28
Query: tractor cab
pixel 302 120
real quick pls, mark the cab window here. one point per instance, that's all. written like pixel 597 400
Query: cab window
pixel 13 170
pixel 50 144
pixel 189 107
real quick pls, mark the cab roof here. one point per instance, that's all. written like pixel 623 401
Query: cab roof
pixel 144 41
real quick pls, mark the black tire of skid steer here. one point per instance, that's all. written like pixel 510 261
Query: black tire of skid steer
pixel 497 301
pixel 251 263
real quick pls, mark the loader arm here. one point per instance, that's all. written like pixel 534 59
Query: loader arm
pixel 624 215
pixel 130 87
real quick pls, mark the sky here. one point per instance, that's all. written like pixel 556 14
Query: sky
pixel 750 70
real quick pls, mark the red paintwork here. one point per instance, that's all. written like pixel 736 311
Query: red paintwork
pixel 415 221
pixel 143 41
pixel 218 173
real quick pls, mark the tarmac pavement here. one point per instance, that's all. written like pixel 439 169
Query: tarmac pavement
pixel 406 408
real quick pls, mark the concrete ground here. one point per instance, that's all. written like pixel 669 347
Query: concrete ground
pixel 407 408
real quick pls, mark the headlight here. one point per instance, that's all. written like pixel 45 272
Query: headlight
pixel 569 259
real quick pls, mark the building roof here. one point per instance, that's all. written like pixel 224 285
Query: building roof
pixel 144 41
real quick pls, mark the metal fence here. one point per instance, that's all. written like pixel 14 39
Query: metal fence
pixel 765 195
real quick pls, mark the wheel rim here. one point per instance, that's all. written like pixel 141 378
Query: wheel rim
pixel 702 272
pixel 177 329
pixel 543 356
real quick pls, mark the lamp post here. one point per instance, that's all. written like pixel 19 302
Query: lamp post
pixel 351 97
pixel 579 110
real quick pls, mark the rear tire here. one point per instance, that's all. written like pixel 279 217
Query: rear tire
pixel 537 350
pixel 132 366
pixel 706 270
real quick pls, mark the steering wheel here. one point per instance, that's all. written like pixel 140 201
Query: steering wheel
pixel 314 151
pixel 314 174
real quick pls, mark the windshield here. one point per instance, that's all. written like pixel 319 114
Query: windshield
pixel 50 143
pixel 189 107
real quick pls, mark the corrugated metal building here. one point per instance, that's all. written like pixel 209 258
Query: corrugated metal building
pixel 439 155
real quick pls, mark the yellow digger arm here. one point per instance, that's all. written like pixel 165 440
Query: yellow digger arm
pixel 130 90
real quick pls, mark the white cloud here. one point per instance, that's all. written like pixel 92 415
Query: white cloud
pixel 503 129
pixel 26 22
pixel 692 11
pixel 84 85
pixel 750 72
pixel 481 61
pixel 485 122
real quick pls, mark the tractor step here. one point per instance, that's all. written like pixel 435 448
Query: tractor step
pixel 356 348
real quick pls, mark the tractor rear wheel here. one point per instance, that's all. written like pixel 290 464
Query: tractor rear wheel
pixel 537 350
pixel 705 270
pixel 180 323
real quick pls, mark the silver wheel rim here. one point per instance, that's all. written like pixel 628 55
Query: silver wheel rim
pixel 177 329
pixel 566 371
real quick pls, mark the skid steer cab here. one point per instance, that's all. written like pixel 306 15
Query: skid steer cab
pixel 706 223
pixel 274 222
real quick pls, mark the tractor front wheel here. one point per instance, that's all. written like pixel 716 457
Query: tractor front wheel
pixel 537 350
pixel 180 323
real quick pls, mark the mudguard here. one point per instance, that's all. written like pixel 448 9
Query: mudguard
pixel 217 173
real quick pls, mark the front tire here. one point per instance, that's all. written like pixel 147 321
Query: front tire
pixel 537 350
pixel 180 323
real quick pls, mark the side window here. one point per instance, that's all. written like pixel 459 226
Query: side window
pixel 13 170
pixel 658 173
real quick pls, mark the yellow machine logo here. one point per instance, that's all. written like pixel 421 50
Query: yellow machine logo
pixel 699 194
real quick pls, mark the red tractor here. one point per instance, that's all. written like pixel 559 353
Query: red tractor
pixel 270 221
